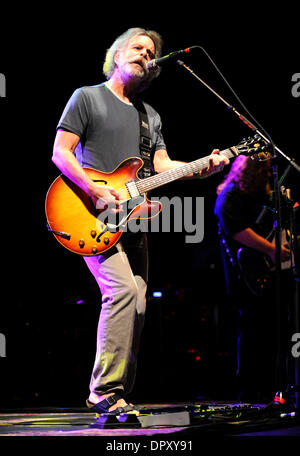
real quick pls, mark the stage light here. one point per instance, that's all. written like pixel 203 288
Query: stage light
pixel 157 294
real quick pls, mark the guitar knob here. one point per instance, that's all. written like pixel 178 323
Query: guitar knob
pixel 81 243
pixel 106 240
pixel 93 233
pixel 94 249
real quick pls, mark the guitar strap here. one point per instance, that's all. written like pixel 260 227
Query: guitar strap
pixel 145 140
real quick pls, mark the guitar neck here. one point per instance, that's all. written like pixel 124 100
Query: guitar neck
pixel 150 183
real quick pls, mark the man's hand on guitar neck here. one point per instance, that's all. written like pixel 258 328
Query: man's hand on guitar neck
pixel 217 162
pixel 162 162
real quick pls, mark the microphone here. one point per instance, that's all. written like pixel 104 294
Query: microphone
pixel 153 63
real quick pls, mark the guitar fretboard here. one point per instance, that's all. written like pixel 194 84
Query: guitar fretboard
pixel 145 185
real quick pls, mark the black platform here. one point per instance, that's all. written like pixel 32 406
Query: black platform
pixel 180 421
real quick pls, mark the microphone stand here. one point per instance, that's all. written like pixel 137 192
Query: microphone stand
pixel 281 377
pixel 246 121
pixel 293 365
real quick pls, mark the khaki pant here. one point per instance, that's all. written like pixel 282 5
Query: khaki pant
pixel 121 274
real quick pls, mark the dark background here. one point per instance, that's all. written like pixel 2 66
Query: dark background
pixel 50 303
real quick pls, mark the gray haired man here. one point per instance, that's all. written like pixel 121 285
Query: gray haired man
pixel 99 128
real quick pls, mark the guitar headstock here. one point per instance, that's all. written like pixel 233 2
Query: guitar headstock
pixel 255 147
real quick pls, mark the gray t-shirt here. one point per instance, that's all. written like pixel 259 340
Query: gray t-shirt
pixel 107 126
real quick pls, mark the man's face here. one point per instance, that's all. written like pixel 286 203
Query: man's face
pixel 131 60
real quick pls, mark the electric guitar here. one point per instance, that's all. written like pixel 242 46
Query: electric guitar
pixel 81 228
pixel 258 270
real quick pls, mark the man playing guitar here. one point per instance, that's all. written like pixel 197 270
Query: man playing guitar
pixel 99 129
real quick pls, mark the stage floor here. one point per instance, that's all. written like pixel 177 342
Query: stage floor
pixel 161 422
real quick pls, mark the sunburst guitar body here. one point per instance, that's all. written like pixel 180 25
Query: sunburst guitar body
pixel 78 225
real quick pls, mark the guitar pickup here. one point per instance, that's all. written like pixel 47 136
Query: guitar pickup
pixel 132 189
